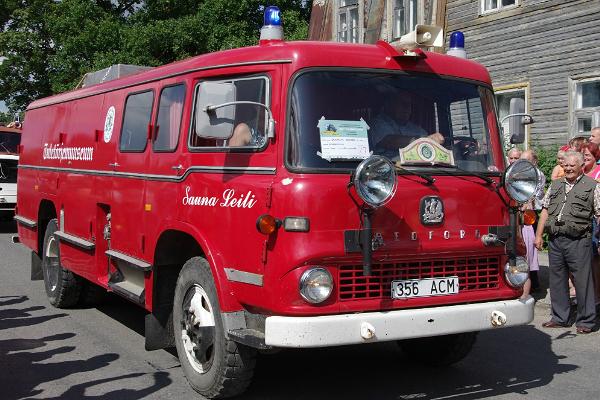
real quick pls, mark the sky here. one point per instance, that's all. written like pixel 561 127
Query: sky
pixel 3 107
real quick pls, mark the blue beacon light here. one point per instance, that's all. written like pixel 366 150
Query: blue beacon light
pixel 272 29
pixel 457 45
pixel 272 16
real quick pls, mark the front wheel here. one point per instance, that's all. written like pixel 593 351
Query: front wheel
pixel 439 351
pixel 62 286
pixel 215 366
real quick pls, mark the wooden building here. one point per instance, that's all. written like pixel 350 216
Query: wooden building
pixel 545 51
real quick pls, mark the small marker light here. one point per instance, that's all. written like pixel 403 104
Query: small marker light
pixel 267 224
pixel 271 29
pixel 296 224
pixel 457 45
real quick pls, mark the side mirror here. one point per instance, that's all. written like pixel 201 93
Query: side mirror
pixel 215 123
pixel 518 120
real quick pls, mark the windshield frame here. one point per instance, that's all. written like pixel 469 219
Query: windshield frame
pixel 444 170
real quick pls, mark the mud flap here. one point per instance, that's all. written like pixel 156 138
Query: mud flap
pixel 36 267
pixel 159 331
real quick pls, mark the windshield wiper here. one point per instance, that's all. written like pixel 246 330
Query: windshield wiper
pixel 427 178
pixel 487 179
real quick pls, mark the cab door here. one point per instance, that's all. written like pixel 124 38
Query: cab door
pixel 230 186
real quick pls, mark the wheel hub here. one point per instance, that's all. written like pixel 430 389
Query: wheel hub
pixel 198 329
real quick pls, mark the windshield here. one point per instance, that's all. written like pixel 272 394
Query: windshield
pixel 338 118
pixel 9 142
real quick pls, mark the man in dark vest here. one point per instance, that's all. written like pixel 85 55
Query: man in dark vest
pixel 568 209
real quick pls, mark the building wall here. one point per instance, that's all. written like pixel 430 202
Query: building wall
pixel 373 18
pixel 549 46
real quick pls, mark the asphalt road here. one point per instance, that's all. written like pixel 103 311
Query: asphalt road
pixel 98 353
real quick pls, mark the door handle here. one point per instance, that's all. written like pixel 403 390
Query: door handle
pixel 177 167
pixel 114 165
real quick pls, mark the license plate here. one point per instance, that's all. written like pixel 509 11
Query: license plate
pixel 424 287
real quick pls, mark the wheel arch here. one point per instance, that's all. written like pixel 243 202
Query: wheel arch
pixel 176 245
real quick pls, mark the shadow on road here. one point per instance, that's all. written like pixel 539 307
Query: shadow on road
pixel 382 371
pixel 26 366
pixel 8 226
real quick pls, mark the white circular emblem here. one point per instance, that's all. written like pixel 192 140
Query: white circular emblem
pixel 426 152
pixel 109 124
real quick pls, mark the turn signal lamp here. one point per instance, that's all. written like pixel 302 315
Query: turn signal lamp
pixel 267 224
pixel 272 29
pixel 529 217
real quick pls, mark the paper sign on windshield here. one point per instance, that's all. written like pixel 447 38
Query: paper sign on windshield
pixel 343 140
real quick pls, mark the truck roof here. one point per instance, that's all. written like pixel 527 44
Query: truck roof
pixel 301 54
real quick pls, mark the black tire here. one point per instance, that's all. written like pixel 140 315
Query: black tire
pixel 439 351
pixel 62 286
pixel 215 366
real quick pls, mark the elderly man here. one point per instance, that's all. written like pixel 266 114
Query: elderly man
pixel 568 208
pixel 513 155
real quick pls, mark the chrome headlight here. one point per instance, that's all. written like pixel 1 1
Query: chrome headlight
pixel 375 180
pixel 521 180
pixel 517 275
pixel 316 285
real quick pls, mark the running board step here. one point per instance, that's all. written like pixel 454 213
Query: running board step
pixel 129 291
pixel 136 262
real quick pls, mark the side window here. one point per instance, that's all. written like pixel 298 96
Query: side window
pixel 138 111
pixel 168 122
pixel 249 128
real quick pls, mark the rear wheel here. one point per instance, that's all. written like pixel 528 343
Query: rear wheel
pixel 213 365
pixel 439 351
pixel 62 286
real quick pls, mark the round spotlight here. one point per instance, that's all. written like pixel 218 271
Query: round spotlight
pixel 375 180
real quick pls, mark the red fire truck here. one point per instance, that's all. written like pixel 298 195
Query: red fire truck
pixel 291 194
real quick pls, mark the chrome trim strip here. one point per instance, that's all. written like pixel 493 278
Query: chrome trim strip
pixel 75 240
pixel 235 275
pixel 25 221
pixel 143 265
pixel 153 177
pixel 172 75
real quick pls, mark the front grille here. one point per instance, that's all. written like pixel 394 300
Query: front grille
pixel 474 273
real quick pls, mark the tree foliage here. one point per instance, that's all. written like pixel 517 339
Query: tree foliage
pixel 47 45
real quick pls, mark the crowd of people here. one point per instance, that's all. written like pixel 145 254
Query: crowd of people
pixel 569 211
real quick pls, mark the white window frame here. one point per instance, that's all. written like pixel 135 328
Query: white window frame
pixel 413 7
pixel 577 112
pixel 499 7
pixel 346 10
pixel 517 87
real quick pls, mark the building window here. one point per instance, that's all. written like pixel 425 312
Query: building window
pixel 404 17
pixel 348 21
pixel 503 98
pixel 587 106
pixel 497 5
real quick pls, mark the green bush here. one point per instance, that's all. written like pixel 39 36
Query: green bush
pixel 547 160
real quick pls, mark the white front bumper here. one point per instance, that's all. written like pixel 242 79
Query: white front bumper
pixel 337 330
